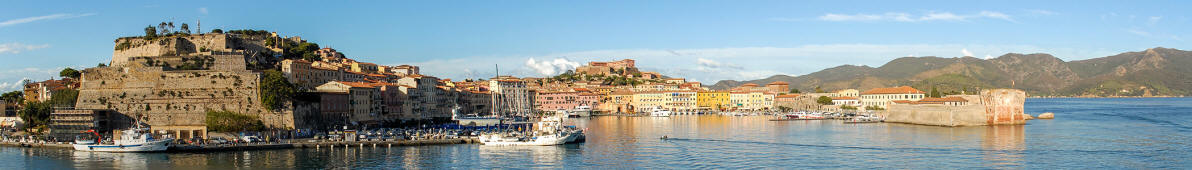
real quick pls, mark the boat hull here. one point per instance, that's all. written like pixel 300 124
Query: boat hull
pixel 155 146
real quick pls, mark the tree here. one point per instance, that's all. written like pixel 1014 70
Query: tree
pixel 185 28
pixel 275 89
pixel 70 72
pixel 64 98
pixel 35 114
pixel 934 92
pixel 795 91
pixel 225 121
pixel 824 100
pixel 818 89
pixel 217 30
pixel 13 97
pixel 847 107
pixel 163 29
pixel 874 108
pixel 150 32
pixel 101 65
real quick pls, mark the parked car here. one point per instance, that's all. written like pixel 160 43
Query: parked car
pixel 218 140
pixel 250 138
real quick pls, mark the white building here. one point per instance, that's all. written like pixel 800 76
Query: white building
pixel 880 97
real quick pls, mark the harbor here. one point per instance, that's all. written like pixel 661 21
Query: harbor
pixel 736 142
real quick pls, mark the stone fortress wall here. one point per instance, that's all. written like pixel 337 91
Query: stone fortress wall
pixel 178 100
pixel 991 107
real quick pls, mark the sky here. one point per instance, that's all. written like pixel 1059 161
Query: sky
pixel 704 41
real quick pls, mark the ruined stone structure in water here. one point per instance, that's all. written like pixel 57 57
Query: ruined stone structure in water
pixel 991 107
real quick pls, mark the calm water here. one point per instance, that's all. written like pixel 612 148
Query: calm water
pixel 1088 133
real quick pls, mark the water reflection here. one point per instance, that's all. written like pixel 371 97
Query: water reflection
pixel 1101 139
pixel 1004 144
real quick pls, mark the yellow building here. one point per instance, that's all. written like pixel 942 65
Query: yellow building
pixel 644 102
pixel 712 100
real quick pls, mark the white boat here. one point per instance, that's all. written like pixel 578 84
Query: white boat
pixel 548 131
pixel 133 140
pixel 659 112
pixel 580 111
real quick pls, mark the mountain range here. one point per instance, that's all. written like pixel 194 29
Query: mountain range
pixel 1153 72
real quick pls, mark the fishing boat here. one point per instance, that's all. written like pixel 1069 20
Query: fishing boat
pixel 131 140
pixel 580 111
pixel 547 131
pixel 660 112
pixel 864 119
pixel 798 116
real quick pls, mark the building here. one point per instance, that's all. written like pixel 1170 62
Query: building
pixel 675 81
pixel 66 124
pixel 847 93
pixel 363 67
pixel 786 101
pixel 778 87
pixel 403 70
pixel 510 97
pixel 622 67
pixel 712 100
pixel 880 97
pixel 620 101
pixel 846 101
pixel 44 90
pixel 547 101
pixel 991 107
pixel 644 102
pixel 361 99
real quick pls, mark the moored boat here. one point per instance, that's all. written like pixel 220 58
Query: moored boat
pixel 132 140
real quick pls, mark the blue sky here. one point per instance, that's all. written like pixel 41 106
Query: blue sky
pixel 702 40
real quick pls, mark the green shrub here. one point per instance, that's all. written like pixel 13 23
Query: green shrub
pixel 225 121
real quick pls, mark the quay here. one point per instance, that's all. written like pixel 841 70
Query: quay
pixel 269 146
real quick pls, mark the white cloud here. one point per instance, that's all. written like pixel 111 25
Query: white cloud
pixel 1138 32
pixel 16 48
pixel 996 15
pixel 552 67
pixel 754 62
pixel 713 64
pixel 203 10
pixel 38 18
pixel 905 17
pixel 1153 20
pixel 1041 12
pixel 966 52
pixel 987 56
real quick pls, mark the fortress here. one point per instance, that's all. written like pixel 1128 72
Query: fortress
pixel 170 83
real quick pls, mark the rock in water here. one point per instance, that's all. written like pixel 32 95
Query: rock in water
pixel 1047 115
pixel 1027 116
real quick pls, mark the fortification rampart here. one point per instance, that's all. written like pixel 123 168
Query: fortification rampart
pixel 177 98
pixel 991 107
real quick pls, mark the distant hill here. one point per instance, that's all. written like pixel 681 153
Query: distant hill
pixel 1156 71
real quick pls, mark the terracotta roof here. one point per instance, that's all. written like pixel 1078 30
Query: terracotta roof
pixel 778 83
pixel 622 92
pixel 894 90
pixel 902 101
pixel 788 96
pixel 357 84
pixel 945 99
pixel 844 98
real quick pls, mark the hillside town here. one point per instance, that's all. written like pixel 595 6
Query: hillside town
pixel 174 83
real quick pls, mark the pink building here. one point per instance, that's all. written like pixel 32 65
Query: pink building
pixel 552 101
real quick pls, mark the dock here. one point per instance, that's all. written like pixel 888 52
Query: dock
pixel 270 146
